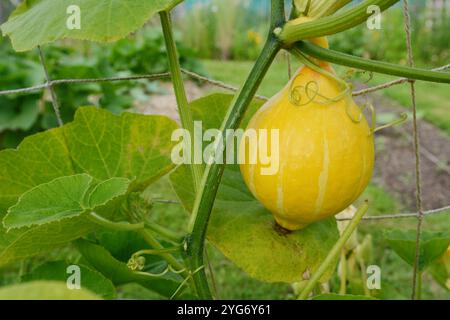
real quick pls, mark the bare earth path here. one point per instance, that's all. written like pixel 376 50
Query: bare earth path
pixel 395 165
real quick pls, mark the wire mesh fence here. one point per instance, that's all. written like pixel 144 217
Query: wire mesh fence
pixel 166 75
pixel 420 212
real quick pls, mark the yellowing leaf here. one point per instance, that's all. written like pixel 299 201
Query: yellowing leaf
pixel 99 144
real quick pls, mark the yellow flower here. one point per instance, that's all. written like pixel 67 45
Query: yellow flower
pixel 254 37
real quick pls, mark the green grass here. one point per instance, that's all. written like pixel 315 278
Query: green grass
pixel 235 73
pixel 433 100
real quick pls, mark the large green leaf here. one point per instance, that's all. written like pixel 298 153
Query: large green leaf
pixel 65 197
pixel 38 159
pixel 123 244
pixel 243 229
pixel 432 245
pixel 18 244
pixel 36 22
pixel 133 146
pixel 119 273
pixel 98 143
pixel 44 290
pixel 89 279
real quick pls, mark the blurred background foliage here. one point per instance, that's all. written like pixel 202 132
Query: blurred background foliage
pixel 235 30
pixel 221 38
pixel 24 114
pixel 232 30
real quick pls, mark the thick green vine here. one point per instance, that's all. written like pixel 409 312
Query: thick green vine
pixel 280 35
pixel 210 183
pixel 324 26
pixel 370 65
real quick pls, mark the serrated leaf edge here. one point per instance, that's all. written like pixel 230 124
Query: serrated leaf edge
pixel 86 196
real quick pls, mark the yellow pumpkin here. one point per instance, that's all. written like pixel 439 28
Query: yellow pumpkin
pixel 325 148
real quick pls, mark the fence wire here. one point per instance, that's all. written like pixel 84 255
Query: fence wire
pixel 419 201
pixel 55 102
pixel 420 214
pixel 191 74
pixel 166 75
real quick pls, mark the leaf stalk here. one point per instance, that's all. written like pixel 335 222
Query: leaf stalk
pixel 180 92
pixel 370 65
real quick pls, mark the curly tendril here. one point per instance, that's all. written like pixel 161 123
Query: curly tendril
pixel 350 73
pixel 373 126
pixel 296 97
pixel 183 283
pixel 311 90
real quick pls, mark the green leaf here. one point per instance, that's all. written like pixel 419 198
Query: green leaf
pixel 36 22
pixel 122 244
pixel 334 296
pixel 118 272
pixel 38 159
pixel 432 245
pixel 104 192
pixel 89 279
pixel 44 290
pixel 243 229
pixel 132 145
pixel 97 143
pixel 18 244
pixel 63 198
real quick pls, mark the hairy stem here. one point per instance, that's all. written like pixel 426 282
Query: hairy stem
pixel 210 183
pixel 370 65
pixel 180 92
